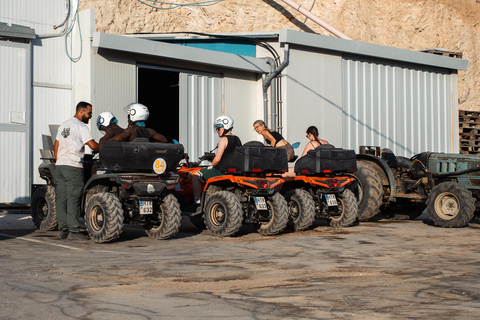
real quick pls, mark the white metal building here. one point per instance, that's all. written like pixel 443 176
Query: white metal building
pixel 355 93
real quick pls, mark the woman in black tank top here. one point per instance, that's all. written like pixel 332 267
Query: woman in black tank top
pixel 273 138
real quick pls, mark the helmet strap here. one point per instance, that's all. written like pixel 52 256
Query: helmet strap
pixel 225 131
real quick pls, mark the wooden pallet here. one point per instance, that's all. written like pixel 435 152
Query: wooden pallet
pixel 446 53
pixel 469 131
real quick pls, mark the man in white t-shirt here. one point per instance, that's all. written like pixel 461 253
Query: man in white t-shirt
pixel 69 148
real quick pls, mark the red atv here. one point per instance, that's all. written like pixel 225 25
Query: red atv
pixel 319 189
pixel 245 194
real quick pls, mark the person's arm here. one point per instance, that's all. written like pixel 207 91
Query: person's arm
pixel 268 136
pixel 92 144
pixel 108 135
pixel 157 136
pixel 307 148
pixel 123 136
pixel 222 145
pixel 55 149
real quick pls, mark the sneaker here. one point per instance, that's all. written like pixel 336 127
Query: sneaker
pixel 77 236
pixel 63 234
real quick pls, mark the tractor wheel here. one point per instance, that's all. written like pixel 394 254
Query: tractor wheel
pixel 301 209
pixel 278 216
pixel 223 214
pixel 368 190
pixel 450 205
pixel 166 219
pixel 348 209
pixel 43 208
pixel 104 217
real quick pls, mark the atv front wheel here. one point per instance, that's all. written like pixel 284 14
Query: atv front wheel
pixel 104 217
pixel 223 214
pixel 278 216
pixel 348 209
pixel 450 205
pixel 43 208
pixel 301 209
pixel 166 219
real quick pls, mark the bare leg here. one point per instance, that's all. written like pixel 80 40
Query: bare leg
pixel 289 173
pixel 197 186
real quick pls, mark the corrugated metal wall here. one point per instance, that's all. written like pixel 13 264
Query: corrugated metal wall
pixel 15 113
pixel 200 104
pixel 312 92
pixel 405 109
pixel 243 102
pixel 51 101
pixel 115 84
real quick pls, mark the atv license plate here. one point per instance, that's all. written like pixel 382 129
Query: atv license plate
pixel 260 203
pixel 331 200
pixel 146 207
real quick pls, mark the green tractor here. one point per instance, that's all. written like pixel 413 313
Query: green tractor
pixel 446 185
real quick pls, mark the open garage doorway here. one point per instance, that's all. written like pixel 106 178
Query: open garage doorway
pixel 159 90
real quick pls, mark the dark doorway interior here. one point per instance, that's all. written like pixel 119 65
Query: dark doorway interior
pixel 159 91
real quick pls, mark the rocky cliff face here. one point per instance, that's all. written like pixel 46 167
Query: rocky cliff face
pixel 409 24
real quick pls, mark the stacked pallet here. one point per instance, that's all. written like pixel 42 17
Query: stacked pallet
pixel 469 130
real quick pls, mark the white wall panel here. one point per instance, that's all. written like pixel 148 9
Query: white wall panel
pixel 51 107
pixel 200 104
pixel 115 87
pixel 243 102
pixel 15 99
pixel 312 96
pixel 406 109
pixel 13 66
pixel 14 182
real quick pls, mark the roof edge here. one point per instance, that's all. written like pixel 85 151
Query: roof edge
pixel 371 50
pixel 178 52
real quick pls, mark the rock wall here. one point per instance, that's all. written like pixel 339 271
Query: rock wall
pixel 409 24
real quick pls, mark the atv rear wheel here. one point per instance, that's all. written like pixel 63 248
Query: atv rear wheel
pixel 166 219
pixel 278 216
pixel 104 217
pixel 223 214
pixel 368 189
pixel 43 208
pixel 348 208
pixel 301 209
pixel 450 205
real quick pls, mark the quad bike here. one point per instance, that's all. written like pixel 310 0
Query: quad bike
pixel 127 184
pixel 319 189
pixel 245 194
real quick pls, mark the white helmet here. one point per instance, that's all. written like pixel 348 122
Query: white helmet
pixel 137 112
pixel 224 122
pixel 105 119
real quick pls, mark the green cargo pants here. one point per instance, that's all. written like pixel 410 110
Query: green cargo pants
pixel 68 194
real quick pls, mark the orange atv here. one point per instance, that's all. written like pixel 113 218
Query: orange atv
pixel 245 194
pixel 319 189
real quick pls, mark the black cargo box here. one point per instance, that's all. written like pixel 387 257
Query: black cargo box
pixel 254 159
pixel 324 160
pixel 140 156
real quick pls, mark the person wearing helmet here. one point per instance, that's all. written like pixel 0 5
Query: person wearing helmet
pixel 137 115
pixel 227 143
pixel 107 123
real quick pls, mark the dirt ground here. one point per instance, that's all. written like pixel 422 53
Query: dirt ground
pixel 373 270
